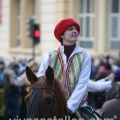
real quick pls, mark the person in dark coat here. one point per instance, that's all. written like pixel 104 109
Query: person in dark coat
pixel 11 92
pixel 111 108
pixel 113 90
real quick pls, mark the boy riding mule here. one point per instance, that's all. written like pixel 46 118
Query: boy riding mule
pixel 71 65
pixel 46 99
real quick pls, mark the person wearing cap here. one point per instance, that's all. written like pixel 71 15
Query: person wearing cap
pixel 71 64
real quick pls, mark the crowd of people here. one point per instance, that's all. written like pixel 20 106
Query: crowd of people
pixel 14 82
pixel 105 99
pixel 76 72
pixel 103 86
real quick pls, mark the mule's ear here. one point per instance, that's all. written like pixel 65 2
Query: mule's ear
pixel 30 75
pixel 49 74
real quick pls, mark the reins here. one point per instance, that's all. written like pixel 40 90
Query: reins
pixel 38 91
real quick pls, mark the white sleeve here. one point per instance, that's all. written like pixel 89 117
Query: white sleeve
pixel 43 66
pixel 101 80
pixel 98 86
pixel 81 87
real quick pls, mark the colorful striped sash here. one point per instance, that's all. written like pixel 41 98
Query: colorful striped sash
pixel 65 74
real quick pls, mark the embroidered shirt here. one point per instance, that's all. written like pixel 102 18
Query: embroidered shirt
pixel 80 86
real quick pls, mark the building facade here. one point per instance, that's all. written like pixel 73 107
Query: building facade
pixel 99 21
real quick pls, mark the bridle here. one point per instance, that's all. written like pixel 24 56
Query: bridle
pixel 38 90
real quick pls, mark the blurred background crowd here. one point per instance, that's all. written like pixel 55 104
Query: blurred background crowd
pixel 14 84
pixel 99 34
pixel 105 100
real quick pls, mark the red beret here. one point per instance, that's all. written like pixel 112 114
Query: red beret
pixel 63 25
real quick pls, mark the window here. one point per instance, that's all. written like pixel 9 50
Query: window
pixel 86 17
pixel 19 17
pixel 114 23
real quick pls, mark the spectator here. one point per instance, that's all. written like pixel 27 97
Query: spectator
pixel 22 81
pixel 11 92
pixel 112 91
pixel 111 108
pixel 112 61
pixel 96 89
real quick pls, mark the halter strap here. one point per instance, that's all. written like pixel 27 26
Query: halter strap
pixel 40 88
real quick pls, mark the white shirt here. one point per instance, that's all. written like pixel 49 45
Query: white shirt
pixel 81 87
pixel 99 85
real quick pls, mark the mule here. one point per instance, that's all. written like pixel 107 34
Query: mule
pixel 45 98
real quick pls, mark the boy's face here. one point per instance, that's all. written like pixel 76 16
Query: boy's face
pixel 70 36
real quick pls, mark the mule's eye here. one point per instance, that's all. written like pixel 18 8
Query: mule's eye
pixel 48 101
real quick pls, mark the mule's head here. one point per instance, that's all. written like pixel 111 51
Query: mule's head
pixel 41 100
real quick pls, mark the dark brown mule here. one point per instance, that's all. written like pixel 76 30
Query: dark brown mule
pixel 45 98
